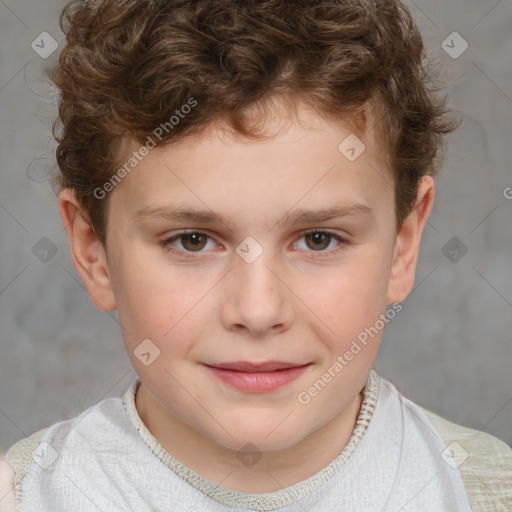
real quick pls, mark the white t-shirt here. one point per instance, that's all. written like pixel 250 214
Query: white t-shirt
pixel 395 460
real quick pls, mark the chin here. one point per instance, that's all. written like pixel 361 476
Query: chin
pixel 264 436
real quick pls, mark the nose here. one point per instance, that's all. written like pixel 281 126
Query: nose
pixel 256 298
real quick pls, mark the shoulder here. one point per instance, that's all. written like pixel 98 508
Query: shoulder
pixel 17 460
pixel 483 461
pixel 105 422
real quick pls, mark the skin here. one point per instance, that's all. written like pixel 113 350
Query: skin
pixel 290 304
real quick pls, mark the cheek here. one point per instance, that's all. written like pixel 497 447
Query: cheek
pixel 350 300
pixel 358 286
pixel 154 301
pixel 163 312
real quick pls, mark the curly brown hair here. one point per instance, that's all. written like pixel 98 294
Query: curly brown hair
pixel 130 65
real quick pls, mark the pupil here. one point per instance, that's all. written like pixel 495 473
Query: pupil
pixel 194 236
pixel 193 241
pixel 317 239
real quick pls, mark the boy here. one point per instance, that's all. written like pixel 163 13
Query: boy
pixel 247 184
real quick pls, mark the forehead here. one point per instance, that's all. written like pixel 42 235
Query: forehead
pixel 306 161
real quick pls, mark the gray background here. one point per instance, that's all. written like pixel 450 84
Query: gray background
pixel 448 350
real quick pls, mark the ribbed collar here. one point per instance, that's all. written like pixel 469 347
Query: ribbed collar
pixel 267 501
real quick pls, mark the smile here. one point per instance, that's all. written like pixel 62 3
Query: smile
pixel 257 378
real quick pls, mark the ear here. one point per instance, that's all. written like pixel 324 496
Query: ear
pixel 88 254
pixel 407 243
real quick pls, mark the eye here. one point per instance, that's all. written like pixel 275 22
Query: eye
pixel 319 240
pixel 195 241
pixel 191 241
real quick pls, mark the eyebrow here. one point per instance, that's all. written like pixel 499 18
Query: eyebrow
pixel 204 216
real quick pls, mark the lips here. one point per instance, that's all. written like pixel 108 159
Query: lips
pixel 246 366
pixel 257 377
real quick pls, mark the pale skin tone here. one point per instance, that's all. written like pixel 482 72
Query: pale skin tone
pixel 303 300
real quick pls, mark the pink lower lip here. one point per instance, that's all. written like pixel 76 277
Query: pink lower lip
pixel 258 381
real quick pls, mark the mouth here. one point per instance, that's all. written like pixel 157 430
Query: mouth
pixel 257 377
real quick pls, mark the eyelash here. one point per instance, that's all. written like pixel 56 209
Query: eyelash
pixel 166 244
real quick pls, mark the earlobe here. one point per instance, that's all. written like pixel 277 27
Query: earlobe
pixel 87 252
pixel 407 243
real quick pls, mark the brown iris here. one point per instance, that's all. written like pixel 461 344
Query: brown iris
pixel 316 237
pixel 197 241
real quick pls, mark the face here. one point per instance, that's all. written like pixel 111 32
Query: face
pixel 270 288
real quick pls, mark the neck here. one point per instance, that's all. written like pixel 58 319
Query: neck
pixel 274 470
